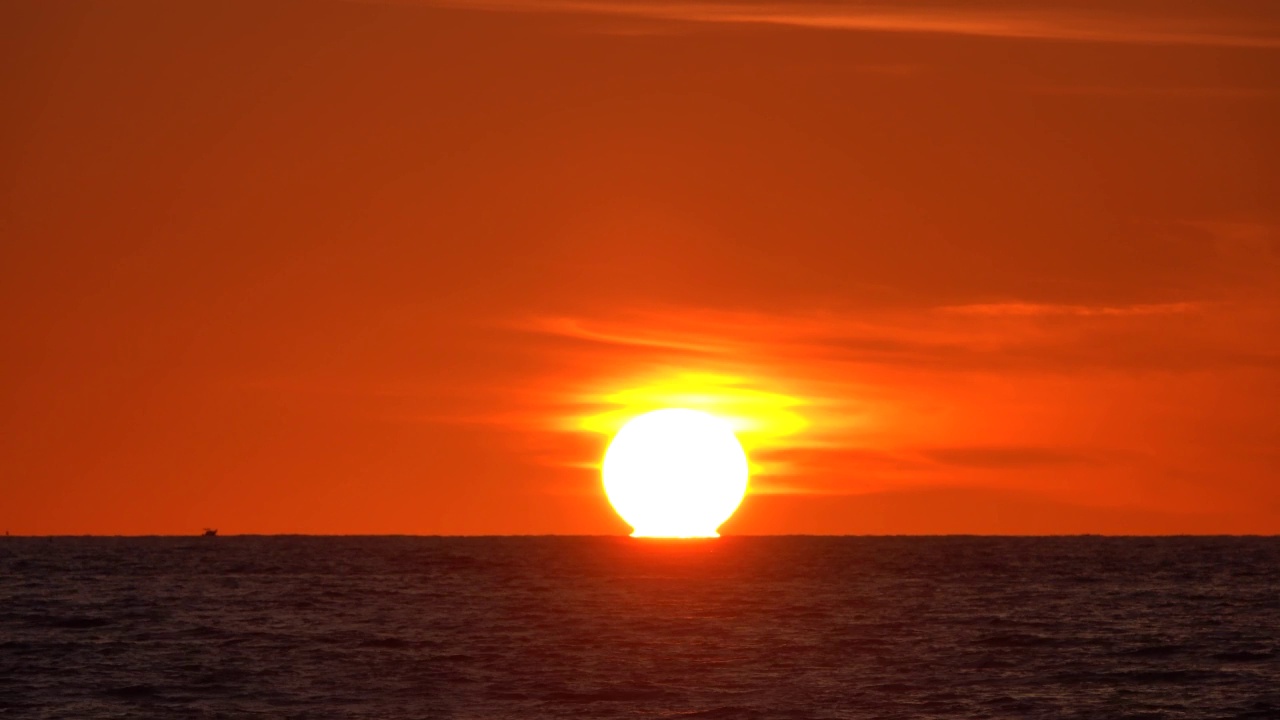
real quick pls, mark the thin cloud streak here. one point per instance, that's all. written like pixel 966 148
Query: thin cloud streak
pixel 1026 392
pixel 1061 24
pixel 993 337
pixel 1158 93
pixel 1020 309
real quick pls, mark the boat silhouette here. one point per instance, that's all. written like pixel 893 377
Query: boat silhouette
pixel 210 532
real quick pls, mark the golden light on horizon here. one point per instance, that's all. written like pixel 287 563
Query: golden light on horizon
pixel 675 473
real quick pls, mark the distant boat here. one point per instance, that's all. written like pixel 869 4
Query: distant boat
pixel 210 532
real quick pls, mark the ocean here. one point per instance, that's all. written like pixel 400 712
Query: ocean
pixel 595 627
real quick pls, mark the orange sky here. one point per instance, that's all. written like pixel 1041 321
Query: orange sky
pixel 362 267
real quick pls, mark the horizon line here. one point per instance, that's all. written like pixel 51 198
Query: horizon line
pixel 650 539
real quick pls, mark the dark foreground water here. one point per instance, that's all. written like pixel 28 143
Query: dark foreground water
pixel 617 628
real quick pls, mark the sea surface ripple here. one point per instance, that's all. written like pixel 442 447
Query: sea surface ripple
pixel 783 627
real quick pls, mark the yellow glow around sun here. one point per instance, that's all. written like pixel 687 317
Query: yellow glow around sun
pixel 675 473
pixel 757 416
pixel 764 421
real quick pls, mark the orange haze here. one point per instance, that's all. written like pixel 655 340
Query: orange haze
pixel 400 267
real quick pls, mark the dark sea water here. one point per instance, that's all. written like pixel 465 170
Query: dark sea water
pixel 407 627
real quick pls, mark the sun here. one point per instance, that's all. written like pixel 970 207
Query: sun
pixel 675 473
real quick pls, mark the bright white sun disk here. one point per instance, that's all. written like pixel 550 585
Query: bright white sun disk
pixel 675 473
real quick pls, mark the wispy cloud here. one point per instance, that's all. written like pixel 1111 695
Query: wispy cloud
pixel 853 401
pixel 1157 93
pixel 1021 309
pixel 1011 457
pixel 982 337
pixel 1117 25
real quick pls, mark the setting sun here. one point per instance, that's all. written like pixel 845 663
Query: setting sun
pixel 675 473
